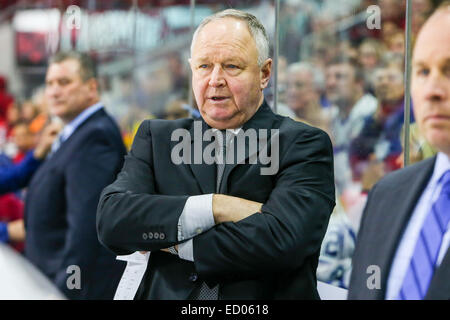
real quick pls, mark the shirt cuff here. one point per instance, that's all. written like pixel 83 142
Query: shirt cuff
pixel 4 237
pixel 197 217
pixel 186 250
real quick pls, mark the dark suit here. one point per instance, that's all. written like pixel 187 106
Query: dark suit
pixel 61 207
pixel 389 207
pixel 265 256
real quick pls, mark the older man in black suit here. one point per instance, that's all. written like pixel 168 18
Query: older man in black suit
pixel 217 229
pixel 402 246
pixel 60 207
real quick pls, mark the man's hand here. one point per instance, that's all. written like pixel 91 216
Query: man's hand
pixel 165 250
pixel 229 209
pixel 16 231
pixel 233 209
pixel 46 140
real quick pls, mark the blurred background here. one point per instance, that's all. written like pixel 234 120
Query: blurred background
pixel 338 65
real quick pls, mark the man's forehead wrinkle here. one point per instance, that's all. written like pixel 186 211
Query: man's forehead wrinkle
pixel 224 51
pixel 222 41
pixel 217 34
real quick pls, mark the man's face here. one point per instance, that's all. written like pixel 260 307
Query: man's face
pixel 430 86
pixel 226 78
pixel 300 90
pixel 23 138
pixel 68 95
pixel 388 84
pixel 340 83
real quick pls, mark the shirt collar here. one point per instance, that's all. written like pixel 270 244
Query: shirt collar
pixel 233 131
pixel 75 123
pixel 440 167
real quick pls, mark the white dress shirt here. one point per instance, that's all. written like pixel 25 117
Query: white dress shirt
pixel 408 241
pixel 197 217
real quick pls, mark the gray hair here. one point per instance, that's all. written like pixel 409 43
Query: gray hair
pixel 255 27
pixel 317 75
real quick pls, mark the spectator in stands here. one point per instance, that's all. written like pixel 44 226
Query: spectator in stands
pixel 304 84
pixel 62 197
pixel 16 176
pixel 176 110
pixel 370 53
pixel 29 111
pixel 12 117
pixel 23 139
pixel 42 117
pixel 5 99
pixel 379 140
pixel 396 43
pixel 345 90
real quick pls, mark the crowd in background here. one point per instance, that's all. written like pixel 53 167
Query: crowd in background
pixel 348 82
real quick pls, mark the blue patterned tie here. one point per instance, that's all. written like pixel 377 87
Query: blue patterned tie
pixel 56 144
pixel 423 261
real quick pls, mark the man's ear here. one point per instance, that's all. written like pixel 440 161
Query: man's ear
pixel 266 71
pixel 93 85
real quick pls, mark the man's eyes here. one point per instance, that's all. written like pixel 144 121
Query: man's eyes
pixel 422 71
pixel 61 82
pixel 227 66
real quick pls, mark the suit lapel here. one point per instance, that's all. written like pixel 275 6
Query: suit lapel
pixel 205 174
pixel 401 202
pixel 440 283
pixel 93 117
pixel 262 119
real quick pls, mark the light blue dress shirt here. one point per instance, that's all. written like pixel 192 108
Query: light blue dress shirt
pixel 70 128
pixel 408 241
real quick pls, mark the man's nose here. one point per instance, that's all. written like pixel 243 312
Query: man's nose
pixel 435 87
pixel 330 81
pixel 53 90
pixel 217 77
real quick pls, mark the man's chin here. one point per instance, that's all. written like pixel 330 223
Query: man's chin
pixel 222 122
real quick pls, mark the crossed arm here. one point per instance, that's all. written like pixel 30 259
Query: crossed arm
pixel 242 243
pixel 230 209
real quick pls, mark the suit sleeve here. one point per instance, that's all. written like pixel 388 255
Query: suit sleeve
pixel 130 211
pixel 289 229
pixel 93 167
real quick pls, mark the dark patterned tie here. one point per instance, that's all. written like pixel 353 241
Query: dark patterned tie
pixel 204 292
pixel 426 251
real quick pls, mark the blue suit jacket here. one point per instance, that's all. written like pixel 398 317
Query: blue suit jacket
pixel 60 210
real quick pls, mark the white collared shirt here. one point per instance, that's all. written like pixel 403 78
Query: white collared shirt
pixel 408 241
pixel 197 217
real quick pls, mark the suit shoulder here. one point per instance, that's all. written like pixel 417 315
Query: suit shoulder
pixel 157 126
pixel 401 176
pixel 301 130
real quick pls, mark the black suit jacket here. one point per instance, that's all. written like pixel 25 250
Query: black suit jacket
pixel 60 209
pixel 389 207
pixel 265 256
